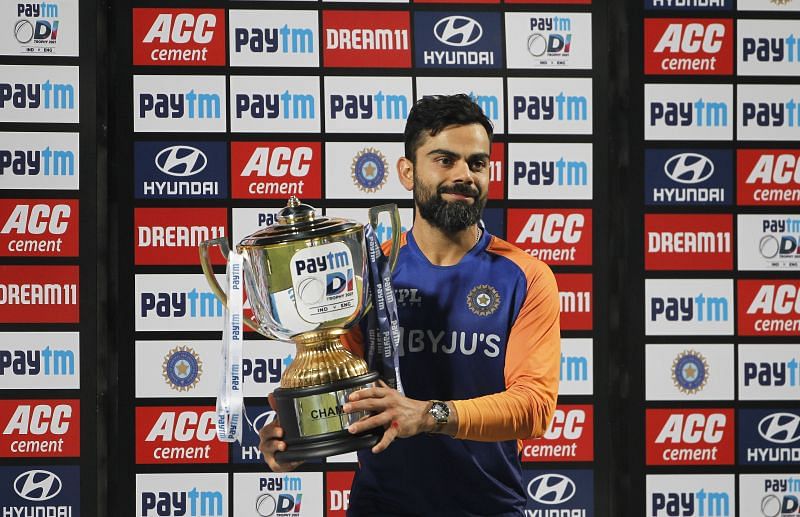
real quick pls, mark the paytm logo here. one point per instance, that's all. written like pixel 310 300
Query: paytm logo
pixel 768 112
pixel 561 106
pixel 174 302
pixel 769 372
pixel 576 367
pixel 550 171
pixel 189 495
pixel 41 161
pixel 379 104
pixel 686 307
pixel 265 370
pixel 43 360
pixel 768 47
pixel 274 104
pixel 369 106
pixel 464 40
pixel 273 38
pixel 690 496
pixel 688 177
pixel 178 103
pixel 486 92
pixel 688 112
pixel 39 94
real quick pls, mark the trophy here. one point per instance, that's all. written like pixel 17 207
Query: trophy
pixel 306 278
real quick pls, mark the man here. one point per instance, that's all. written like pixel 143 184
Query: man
pixel 480 341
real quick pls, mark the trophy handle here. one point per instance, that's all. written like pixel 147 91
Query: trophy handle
pixel 394 215
pixel 208 271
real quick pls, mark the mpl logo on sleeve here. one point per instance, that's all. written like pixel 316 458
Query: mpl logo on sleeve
pixel 39 294
pixel 768 177
pixel 31 93
pixel 769 436
pixel 40 29
pixel 769 307
pixel 688 112
pixel 688 177
pixel 39 228
pixel 39 161
pixel 273 38
pixel 690 437
pixel 40 428
pixel 367 104
pixel 559 237
pixel 179 434
pixel 768 47
pixel 547 106
pixel 458 40
pixel 559 492
pixel 560 41
pixel 689 372
pixel 40 490
pixel 275 104
pixel 293 494
pixel 367 39
pixel 177 302
pixel 569 437
pixel 178 37
pixel 681 46
pixel 41 360
pixel 770 6
pixel 770 495
pixel 181 170
pixel 276 170
pixel 769 242
pixel 338 491
pixel 689 5
pixel 768 112
pixel 575 295
pixel 170 103
pixel 172 235
pixel 685 307
pixel 162 495
pixel 550 171
pixel 688 242
pixel 691 495
pixel 769 372
pixel 356 170
pixel 576 372
pixel 486 92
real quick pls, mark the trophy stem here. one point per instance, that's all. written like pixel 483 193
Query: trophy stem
pixel 321 359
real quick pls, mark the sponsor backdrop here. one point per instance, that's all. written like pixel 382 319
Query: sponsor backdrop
pixel 52 405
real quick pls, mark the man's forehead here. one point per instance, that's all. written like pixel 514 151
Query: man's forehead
pixel 474 135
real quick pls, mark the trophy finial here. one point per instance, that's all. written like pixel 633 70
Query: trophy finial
pixel 293 202
pixel 296 212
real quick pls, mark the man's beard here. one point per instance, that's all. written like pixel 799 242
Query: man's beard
pixel 449 216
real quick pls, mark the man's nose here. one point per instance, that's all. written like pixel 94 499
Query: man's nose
pixel 462 172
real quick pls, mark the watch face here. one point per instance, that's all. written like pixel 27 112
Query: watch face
pixel 440 412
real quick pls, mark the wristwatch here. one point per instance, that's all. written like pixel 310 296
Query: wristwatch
pixel 440 412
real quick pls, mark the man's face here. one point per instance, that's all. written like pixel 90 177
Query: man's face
pixel 451 177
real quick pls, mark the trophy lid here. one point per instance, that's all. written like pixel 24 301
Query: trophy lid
pixel 297 221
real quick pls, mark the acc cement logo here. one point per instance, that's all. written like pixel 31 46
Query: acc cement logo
pixel 181 160
pixel 368 170
pixel 780 428
pixel 690 372
pixel 689 168
pixel 483 300
pixel 551 489
pixel 37 485
pixel 182 368
pixel 458 31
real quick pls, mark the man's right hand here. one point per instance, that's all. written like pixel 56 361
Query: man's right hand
pixel 271 442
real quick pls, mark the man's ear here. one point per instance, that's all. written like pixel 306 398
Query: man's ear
pixel 405 170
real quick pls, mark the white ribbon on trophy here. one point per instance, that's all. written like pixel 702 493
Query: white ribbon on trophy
pixel 230 398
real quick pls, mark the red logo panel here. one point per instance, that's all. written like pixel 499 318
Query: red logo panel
pixel 558 237
pixel 690 437
pixel 768 177
pixel 570 437
pixel 497 168
pixel 366 39
pixel 688 242
pixel 185 434
pixel 276 170
pixel 188 37
pixel 553 2
pixel 338 494
pixel 688 46
pixel 575 293
pixel 40 428
pixel 167 236
pixel 769 307
pixel 39 228
pixel 39 294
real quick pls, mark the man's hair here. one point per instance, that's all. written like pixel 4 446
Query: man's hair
pixel 432 114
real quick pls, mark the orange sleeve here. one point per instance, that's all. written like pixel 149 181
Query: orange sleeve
pixel 531 371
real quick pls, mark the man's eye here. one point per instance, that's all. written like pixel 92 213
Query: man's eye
pixel 444 160
pixel 478 165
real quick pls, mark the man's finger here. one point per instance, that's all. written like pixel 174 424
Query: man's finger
pixel 379 420
pixel 269 432
pixel 369 393
pixel 374 405
pixel 388 437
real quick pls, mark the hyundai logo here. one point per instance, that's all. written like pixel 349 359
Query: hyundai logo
pixel 689 168
pixel 181 160
pixel 551 489
pixel 780 428
pixel 263 419
pixel 37 485
pixel 458 31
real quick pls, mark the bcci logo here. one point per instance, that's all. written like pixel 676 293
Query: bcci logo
pixel 690 372
pixel 369 170
pixel 483 300
pixel 182 368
